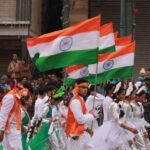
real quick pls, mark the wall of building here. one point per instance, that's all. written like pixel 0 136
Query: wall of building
pixel 14 27
pixel 7 10
pixel 36 11
pixel 79 11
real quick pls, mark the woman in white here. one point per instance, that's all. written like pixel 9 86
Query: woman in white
pixel 109 135
pixel 128 114
pixel 141 140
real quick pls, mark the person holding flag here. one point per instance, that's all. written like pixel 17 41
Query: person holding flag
pixel 76 127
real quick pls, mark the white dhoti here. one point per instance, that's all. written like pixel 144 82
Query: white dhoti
pixel 82 143
pixel 12 140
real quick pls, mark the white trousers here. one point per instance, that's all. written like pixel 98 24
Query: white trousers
pixel 82 143
pixel 12 140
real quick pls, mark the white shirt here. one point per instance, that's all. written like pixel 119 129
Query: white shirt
pixel 7 105
pixel 37 110
pixel 76 109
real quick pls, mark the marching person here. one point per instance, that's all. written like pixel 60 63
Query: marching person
pixel 110 136
pixel 78 118
pixel 26 102
pixel 10 119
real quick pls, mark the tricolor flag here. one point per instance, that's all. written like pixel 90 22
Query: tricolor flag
pixel 107 39
pixel 74 45
pixel 119 64
pixel 77 71
pixel 123 41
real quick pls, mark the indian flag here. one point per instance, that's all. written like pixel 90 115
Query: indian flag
pixel 77 71
pixel 119 64
pixel 107 39
pixel 123 41
pixel 74 45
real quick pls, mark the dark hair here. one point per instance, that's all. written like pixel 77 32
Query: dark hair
pixel 141 93
pixel 79 81
pixel 28 86
pixel 121 90
pixel 50 87
pixel 147 79
pixel 54 83
pixel 109 87
pixel 41 90
pixel 1 91
pixel 92 88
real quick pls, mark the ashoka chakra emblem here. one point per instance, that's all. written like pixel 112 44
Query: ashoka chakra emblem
pixel 66 43
pixel 108 64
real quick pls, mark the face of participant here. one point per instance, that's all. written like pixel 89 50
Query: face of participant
pixel 121 96
pixel 15 57
pixel 141 98
pixel 29 101
pixel 83 89
pixel 132 96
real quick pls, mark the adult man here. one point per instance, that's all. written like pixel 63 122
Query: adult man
pixel 78 118
pixel 10 118
pixel 14 67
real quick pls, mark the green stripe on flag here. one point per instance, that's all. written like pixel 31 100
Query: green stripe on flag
pixel 65 59
pixel 122 73
pixel 108 49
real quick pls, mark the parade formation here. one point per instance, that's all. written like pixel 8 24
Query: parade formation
pixel 98 104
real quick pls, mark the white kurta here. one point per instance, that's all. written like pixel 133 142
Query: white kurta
pixel 12 138
pixel 82 143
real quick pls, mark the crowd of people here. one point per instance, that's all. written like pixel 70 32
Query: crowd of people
pixel 45 114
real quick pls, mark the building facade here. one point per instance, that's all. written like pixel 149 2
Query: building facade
pixel 20 19
pixel 15 19
pixel 136 22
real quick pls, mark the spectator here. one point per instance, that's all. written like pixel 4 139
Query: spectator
pixel 142 75
pixel 4 84
pixel 25 69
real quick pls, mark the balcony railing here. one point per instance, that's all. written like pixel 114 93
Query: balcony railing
pixel 20 24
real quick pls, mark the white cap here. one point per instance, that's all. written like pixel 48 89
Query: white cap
pixel 129 89
pixel 143 88
pixel 118 86
pixel 138 84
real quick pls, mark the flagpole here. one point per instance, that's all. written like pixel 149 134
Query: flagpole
pixel 64 77
pixel 96 71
